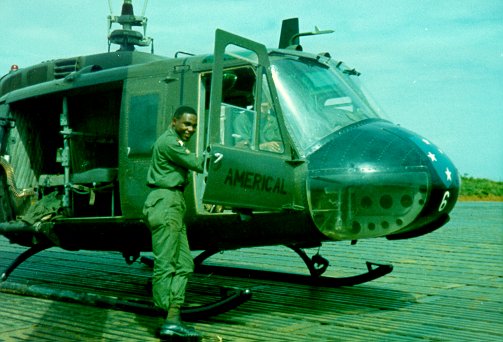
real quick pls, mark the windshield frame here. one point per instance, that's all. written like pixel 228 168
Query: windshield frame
pixel 317 96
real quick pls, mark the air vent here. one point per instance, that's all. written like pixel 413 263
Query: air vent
pixel 64 67
pixel 11 82
pixel 37 75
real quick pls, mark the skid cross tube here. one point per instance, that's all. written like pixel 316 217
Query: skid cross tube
pixel 23 257
pixel 317 265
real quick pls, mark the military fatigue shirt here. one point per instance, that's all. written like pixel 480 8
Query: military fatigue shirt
pixel 269 129
pixel 171 162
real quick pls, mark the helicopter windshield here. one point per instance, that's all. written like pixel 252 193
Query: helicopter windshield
pixel 317 99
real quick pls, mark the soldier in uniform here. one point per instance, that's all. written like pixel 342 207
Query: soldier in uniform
pixel 269 135
pixel 164 212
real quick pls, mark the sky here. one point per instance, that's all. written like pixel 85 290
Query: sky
pixel 434 67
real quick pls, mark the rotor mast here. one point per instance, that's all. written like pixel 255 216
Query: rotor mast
pixel 127 38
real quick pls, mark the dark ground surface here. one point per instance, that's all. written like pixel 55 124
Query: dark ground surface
pixel 446 286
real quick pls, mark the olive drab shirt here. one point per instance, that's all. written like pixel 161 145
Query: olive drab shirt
pixel 269 129
pixel 171 162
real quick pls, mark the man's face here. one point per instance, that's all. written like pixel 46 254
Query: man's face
pixel 265 107
pixel 185 126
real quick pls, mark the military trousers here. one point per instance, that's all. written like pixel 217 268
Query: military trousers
pixel 164 212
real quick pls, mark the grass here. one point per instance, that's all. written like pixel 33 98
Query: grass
pixel 480 189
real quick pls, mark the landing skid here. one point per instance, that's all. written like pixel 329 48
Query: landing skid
pixel 316 265
pixel 231 298
pixel 23 257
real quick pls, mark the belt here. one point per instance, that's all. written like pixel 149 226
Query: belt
pixel 174 188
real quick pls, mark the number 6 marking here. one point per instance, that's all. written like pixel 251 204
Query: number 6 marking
pixel 443 204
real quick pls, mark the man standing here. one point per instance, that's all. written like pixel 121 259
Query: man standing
pixel 164 211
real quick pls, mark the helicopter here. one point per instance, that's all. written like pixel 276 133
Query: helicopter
pixel 76 137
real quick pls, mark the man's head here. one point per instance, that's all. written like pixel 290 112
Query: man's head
pixel 185 122
pixel 265 107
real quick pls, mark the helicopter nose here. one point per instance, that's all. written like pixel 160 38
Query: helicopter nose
pixel 374 179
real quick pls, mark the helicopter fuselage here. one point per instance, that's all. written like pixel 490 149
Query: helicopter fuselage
pixel 295 153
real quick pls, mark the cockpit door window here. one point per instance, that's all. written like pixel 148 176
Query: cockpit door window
pixel 246 165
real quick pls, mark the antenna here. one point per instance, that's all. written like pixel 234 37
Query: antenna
pixel 316 31
pixel 126 37
pixel 290 35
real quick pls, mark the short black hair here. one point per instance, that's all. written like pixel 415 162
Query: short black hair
pixel 182 110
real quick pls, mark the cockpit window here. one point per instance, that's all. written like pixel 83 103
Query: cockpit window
pixel 317 99
pixel 247 116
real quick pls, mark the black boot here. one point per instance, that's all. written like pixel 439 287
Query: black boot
pixel 173 328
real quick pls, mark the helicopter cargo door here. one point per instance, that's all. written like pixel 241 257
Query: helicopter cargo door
pixel 246 162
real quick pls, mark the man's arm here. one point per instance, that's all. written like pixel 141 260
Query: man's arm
pixel 181 156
